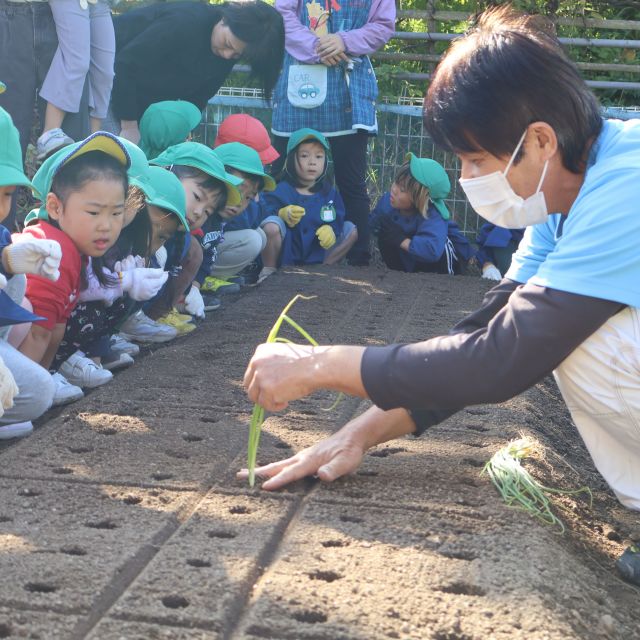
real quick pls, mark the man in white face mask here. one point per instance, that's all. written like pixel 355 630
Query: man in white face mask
pixel 534 151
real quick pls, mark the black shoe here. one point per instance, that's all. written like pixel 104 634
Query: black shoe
pixel 211 302
pixel 250 273
pixel 628 564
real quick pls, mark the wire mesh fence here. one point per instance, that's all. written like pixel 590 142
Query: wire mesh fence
pixel 400 131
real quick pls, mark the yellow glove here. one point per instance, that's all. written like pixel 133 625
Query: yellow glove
pixel 8 388
pixel 291 214
pixel 326 236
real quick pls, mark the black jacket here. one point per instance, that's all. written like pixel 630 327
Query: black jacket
pixel 163 52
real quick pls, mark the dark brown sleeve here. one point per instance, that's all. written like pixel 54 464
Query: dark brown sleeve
pixel 525 340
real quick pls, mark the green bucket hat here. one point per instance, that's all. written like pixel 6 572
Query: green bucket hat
pixel 301 135
pixel 432 175
pixel 139 168
pixel 11 168
pixel 199 156
pixel 166 123
pixel 99 141
pixel 243 158
pixel 167 193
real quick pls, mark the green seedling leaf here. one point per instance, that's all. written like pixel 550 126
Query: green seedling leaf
pixel 519 489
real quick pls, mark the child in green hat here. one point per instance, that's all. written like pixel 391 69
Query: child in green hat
pixel 85 187
pixel 105 302
pixel 26 389
pixel 224 260
pixel 413 224
pixel 305 221
pixel 167 123
pixel 208 188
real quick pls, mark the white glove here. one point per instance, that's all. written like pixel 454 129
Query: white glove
pixel 84 5
pixel 142 283
pixel 3 281
pixel 130 262
pixel 193 303
pixel 161 256
pixel 8 388
pixel 31 255
pixel 491 273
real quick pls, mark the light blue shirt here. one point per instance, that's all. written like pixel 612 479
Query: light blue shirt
pixel 595 250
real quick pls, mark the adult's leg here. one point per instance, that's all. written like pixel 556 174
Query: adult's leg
pixel 391 255
pixel 65 79
pixel 600 382
pixel 349 154
pixel 280 145
pixel 35 385
pixel 239 249
pixel 103 51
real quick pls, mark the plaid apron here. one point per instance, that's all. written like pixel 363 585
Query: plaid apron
pixel 352 89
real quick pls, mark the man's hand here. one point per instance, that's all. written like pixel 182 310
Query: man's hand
pixel 340 453
pixel 328 459
pixel 279 373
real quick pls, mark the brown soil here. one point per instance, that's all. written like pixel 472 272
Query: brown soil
pixel 121 516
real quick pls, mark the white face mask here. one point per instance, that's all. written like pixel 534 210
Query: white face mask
pixel 492 197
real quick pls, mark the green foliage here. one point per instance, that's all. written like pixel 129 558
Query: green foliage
pixel 554 9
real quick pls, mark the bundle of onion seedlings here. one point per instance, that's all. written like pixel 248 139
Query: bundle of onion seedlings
pixel 257 417
pixel 518 488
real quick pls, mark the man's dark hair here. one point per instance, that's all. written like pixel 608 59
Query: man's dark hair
pixel 507 72
pixel 261 28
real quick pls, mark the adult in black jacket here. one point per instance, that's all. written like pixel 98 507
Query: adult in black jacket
pixel 185 50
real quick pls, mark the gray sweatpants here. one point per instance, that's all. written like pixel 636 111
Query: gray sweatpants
pixel 86 45
pixel 239 249
pixel 35 384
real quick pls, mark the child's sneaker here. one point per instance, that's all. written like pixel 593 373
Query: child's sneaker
pixel 84 372
pixel 141 328
pixel 64 392
pixel 15 430
pixel 211 302
pixel 249 274
pixel 51 141
pixel 119 345
pixel 114 360
pixel 177 321
pixel 219 287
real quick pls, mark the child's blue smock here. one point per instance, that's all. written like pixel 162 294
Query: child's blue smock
pixel 250 218
pixel 492 237
pixel 428 235
pixel 300 244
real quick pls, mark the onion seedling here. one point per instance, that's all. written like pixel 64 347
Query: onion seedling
pixel 257 417
pixel 518 488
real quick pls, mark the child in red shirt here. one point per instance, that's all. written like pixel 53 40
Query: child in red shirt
pixel 86 187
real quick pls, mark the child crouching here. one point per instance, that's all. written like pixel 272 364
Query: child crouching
pixel 306 216
pixel 413 224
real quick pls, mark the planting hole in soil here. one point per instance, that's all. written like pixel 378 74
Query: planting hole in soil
pixel 325 576
pixel 73 551
pixel 162 476
pixel 310 617
pixel 239 509
pixel 195 562
pixel 132 499
pixel 5 630
pixel 175 602
pixel 40 587
pixel 462 589
pixel 101 524
pixel 225 535
pixel 191 438
pixel 62 471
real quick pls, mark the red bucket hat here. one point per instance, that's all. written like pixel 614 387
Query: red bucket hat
pixel 243 128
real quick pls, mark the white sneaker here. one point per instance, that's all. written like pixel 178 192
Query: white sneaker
pixel 120 345
pixel 141 328
pixel 84 372
pixel 51 141
pixel 16 430
pixel 65 392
